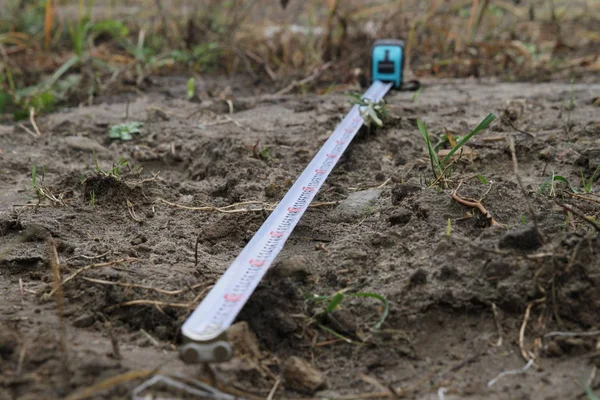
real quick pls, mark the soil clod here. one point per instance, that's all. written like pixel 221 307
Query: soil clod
pixel 300 376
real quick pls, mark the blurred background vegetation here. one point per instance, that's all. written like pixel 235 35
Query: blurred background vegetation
pixel 58 52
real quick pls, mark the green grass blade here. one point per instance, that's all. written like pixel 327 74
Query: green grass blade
pixel 483 125
pixel 334 333
pixel 588 392
pixel 34 176
pixel 433 157
pixel 386 306
pixel 335 301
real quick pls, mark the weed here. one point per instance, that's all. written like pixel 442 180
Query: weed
pixel 115 172
pixel 259 152
pixel 125 131
pixel 482 179
pixel 550 183
pixel 416 95
pixel 438 166
pixel 571 105
pixel 34 183
pixel 523 220
pixel 204 56
pixel 92 198
pixel 588 392
pixel 587 184
pixel 372 112
pixel 449 227
pixel 41 191
pixel 334 301
pixel 191 89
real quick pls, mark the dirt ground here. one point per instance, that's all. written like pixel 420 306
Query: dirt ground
pixel 466 303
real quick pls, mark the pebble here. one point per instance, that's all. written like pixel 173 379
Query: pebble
pixel 299 375
pixel 356 206
pixel 400 217
pixel 84 144
pixel 296 267
pixel 521 239
pixel 84 321
pixel 244 340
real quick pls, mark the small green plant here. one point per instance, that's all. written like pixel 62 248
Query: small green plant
pixel 571 105
pixel 449 227
pixel 125 131
pixel 438 166
pixel 416 95
pixel 34 182
pixel 523 220
pixel 204 56
pixel 550 184
pixel 372 112
pixel 114 172
pixel 116 168
pixel 92 198
pixel 587 184
pixel 259 152
pixel 482 179
pixel 333 302
pixel 191 89
pixel 589 393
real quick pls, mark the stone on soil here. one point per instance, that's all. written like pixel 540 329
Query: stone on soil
pixel 521 239
pixel 83 144
pixel 300 376
pixel 358 205
pixel 244 340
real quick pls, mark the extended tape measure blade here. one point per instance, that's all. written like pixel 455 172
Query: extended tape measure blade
pixel 209 321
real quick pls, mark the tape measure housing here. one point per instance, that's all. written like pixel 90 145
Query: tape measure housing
pixel 387 61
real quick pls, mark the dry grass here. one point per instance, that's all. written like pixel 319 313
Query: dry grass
pixel 51 42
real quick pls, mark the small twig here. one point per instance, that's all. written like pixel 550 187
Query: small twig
pixel 475 204
pixel 109 383
pixel 58 289
pixel 498 325
pixel 577 196
pixel 513 152
pixel 131 211
pixel 88 267
pixel 196 250
pixel 388 180
pixel 22 353
pixel 572 334
pixel 26 129
pixel 149 336
pixel 231 210
pixel 32 120
pixel 90 257
pixel 512 125
pixel 150 302
pixel 511 372
pixel 135 285
pixel 113 342
pixel 527 355
pixel 442 175
pixel 304 81
pixel 274 389
pixel 581 215
pixel 442 393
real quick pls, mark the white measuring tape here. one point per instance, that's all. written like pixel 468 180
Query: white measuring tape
pixel 223 303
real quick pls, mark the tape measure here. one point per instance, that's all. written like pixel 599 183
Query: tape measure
pixel 205 338
pixel 387 61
